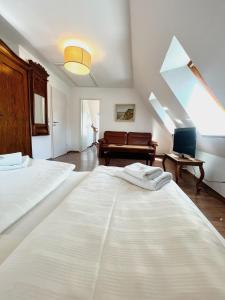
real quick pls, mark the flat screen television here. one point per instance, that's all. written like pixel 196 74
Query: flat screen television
pixel 184 141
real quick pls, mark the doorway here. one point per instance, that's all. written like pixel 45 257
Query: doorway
pixel 90 121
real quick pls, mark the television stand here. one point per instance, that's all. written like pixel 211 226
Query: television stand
pixel 179 162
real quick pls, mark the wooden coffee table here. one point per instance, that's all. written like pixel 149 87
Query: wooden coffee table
pixel 179 162
pixel 147 152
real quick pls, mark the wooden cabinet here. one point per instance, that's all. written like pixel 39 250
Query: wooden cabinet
pixel 39 99
pixel 15 130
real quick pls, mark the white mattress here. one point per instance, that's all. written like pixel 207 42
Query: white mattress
pixel 22 189
pixel 114 241
pixel 13 236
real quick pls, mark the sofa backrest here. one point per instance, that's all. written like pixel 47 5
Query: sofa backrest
pixel 139 138
pixel 115 137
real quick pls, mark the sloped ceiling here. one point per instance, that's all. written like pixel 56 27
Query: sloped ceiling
pixel 101 25
pixel 199 25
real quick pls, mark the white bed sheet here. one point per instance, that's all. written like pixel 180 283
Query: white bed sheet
pixel 22 189
pixel 114 241
pixel 14 235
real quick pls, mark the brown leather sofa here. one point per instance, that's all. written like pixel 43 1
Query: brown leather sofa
pixel 138 145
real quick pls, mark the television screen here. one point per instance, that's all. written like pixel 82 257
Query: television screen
pixel 184 141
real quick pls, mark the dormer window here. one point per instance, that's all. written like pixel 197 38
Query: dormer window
pixel 192 91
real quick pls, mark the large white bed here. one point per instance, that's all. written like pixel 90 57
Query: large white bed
pixel 25 200
pixel 112 240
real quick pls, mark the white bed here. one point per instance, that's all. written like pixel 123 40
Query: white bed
pixel 22 189
pixel 114 241
pixel 14 234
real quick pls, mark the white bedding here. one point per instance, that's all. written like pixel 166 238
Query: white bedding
pixel 22 189
pixel 114 241
pixel 16 233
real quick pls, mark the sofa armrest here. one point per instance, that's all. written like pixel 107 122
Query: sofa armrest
pixel 153 144
pixel 102 141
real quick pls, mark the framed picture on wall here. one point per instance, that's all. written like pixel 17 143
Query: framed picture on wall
pixel 125 112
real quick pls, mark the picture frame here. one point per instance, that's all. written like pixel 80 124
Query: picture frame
pixel 125 112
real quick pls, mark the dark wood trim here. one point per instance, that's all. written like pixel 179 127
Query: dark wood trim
pixel 199 77
pixel 73 151
pixel 15 127
pixel 38 81
pixel 4 49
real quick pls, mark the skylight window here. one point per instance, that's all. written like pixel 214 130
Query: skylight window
pixel 193 93
pixel 161 112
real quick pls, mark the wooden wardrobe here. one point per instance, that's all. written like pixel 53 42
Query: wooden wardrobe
pixel 15 128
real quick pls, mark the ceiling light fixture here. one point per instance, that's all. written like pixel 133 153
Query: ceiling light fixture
pixel 77 60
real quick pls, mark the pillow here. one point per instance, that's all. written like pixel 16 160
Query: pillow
pixel 11 159
pixel 25 163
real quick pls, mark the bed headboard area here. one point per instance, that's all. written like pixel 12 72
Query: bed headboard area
pixel 15 129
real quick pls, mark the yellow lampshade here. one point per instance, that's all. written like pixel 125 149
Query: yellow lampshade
pixel 77 60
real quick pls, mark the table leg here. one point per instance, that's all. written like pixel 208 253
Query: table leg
pixel 107 161
pixel 107 158
pixel 180 171
pixel 163 163
pixel 177 167
pixel 202 174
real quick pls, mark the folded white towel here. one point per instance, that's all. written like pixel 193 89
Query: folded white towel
pixel 153 185
pixel 25 162
pixel 142 171
pixel 11 159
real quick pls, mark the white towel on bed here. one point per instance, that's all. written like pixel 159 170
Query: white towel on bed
pixel 25 162
pixel 153 185
pixel 11 159
pixel 142 171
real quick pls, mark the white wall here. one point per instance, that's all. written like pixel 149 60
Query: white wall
pixel 41 145
pixel 109 97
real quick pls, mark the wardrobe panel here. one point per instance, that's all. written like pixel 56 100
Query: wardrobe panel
pixel 15 131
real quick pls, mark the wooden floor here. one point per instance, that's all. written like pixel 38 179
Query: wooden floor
pixel 210 203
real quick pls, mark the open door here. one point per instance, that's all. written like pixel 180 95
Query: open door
pixel 90 112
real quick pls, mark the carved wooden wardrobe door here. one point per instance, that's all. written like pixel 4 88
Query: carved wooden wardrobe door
pixel 15 131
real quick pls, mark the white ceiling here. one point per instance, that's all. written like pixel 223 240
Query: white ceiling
pixel 102 25
pixel 198 25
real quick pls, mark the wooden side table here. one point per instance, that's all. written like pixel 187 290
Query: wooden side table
pixel 179 162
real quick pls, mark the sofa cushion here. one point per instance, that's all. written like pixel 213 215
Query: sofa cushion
pixel 129 148
pixel 139 138
pixel 115 137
